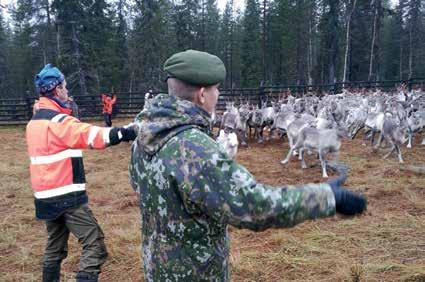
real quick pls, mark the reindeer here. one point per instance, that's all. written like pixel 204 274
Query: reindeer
pixel 374 122
pixel 229 142
pixel 215 121
pixel 395 135
pixel 414 124
pixel 245 115
pixel 325 119
pixel 283 118
pixel 268 114
pixel 231 122
pixel 256 122
pixel 323 141
pixel 357 117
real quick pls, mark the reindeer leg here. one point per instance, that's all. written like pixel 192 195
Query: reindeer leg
pixel 366 132
pixel 373 137
pixel 423 141
pixel 303 164
pixel 288 156
pixel 292 148
pixel 268 136
pixel 241 136
pixel 378 144
pixel 390 152
pixel 354 132
pixel 283 133
pixel 272 133
pixel 323 163
pixel 261 134
pixel 409 145
pixel 296 151
pixel 291 142
pixel 400 158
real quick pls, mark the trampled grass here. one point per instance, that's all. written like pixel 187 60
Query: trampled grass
pixel 387 243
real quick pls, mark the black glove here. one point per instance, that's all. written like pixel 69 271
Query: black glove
pixel 129 133
pixel 126 133
pixel 347 202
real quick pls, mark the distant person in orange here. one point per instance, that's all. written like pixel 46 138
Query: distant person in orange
pixel 108 102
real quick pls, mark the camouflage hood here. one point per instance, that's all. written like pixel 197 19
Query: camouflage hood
pixel 164 117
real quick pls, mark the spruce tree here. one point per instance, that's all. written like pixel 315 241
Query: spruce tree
pixel 3 56
pixel 148 44
pixel 251 46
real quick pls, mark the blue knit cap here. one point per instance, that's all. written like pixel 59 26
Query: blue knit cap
pixel 48 78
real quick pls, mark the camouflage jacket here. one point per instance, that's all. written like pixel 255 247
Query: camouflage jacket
pixel 190 191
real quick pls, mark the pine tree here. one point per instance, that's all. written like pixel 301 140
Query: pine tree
pixel 148 44
pixel 391 39
pixel 210 23
pixel 23 66
pixel 226 41
pixel 118 52
pixel 3 56
pixel 97 36
pixel 251 56
pixel 414 28
pixel 374 62
pixel 187 25
pixel 71 22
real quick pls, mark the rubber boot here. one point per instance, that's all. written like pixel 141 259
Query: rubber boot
pixel 51 274
pixel 86 277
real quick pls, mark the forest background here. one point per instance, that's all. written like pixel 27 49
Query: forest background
pixel 121 45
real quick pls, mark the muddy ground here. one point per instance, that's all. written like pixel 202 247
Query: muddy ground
pixel 387 243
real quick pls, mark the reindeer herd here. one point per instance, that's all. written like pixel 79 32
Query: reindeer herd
pixel 317 124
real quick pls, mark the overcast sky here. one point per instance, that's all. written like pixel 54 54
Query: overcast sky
pixel 241 3
pixel 236 3
pixel 221 3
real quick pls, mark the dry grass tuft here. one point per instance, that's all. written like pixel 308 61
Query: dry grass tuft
pixel 356 273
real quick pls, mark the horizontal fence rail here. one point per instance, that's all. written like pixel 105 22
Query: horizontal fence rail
pixel 129 104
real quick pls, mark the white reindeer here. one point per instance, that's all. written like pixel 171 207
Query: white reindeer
pixel 322 141
pixel 229 142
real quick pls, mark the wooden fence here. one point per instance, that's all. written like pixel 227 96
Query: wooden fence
pixel 19 110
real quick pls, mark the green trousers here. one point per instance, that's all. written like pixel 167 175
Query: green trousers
pixel 83 225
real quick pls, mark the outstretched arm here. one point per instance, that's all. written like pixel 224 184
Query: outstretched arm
pixel 227 192
pixel 78 135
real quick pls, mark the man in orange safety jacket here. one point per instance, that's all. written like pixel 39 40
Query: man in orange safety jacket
pixel 55 139
pixel 108 103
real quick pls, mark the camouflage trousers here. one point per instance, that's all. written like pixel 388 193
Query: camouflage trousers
pixel 82 224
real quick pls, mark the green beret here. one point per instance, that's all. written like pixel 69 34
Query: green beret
pixel 196 67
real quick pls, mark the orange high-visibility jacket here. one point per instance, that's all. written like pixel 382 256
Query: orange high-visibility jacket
pixel 55 140
pixel 108 102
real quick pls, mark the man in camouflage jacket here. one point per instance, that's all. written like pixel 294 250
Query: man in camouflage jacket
pixel 190 191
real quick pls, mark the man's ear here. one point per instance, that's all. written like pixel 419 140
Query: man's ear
pixel 201 95
pixel 55 91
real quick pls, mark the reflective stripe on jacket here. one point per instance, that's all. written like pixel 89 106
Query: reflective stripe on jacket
pixel 108 102
pixel 54 140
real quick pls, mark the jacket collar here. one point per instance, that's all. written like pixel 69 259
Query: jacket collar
pixel 53 104
pixel 164 117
